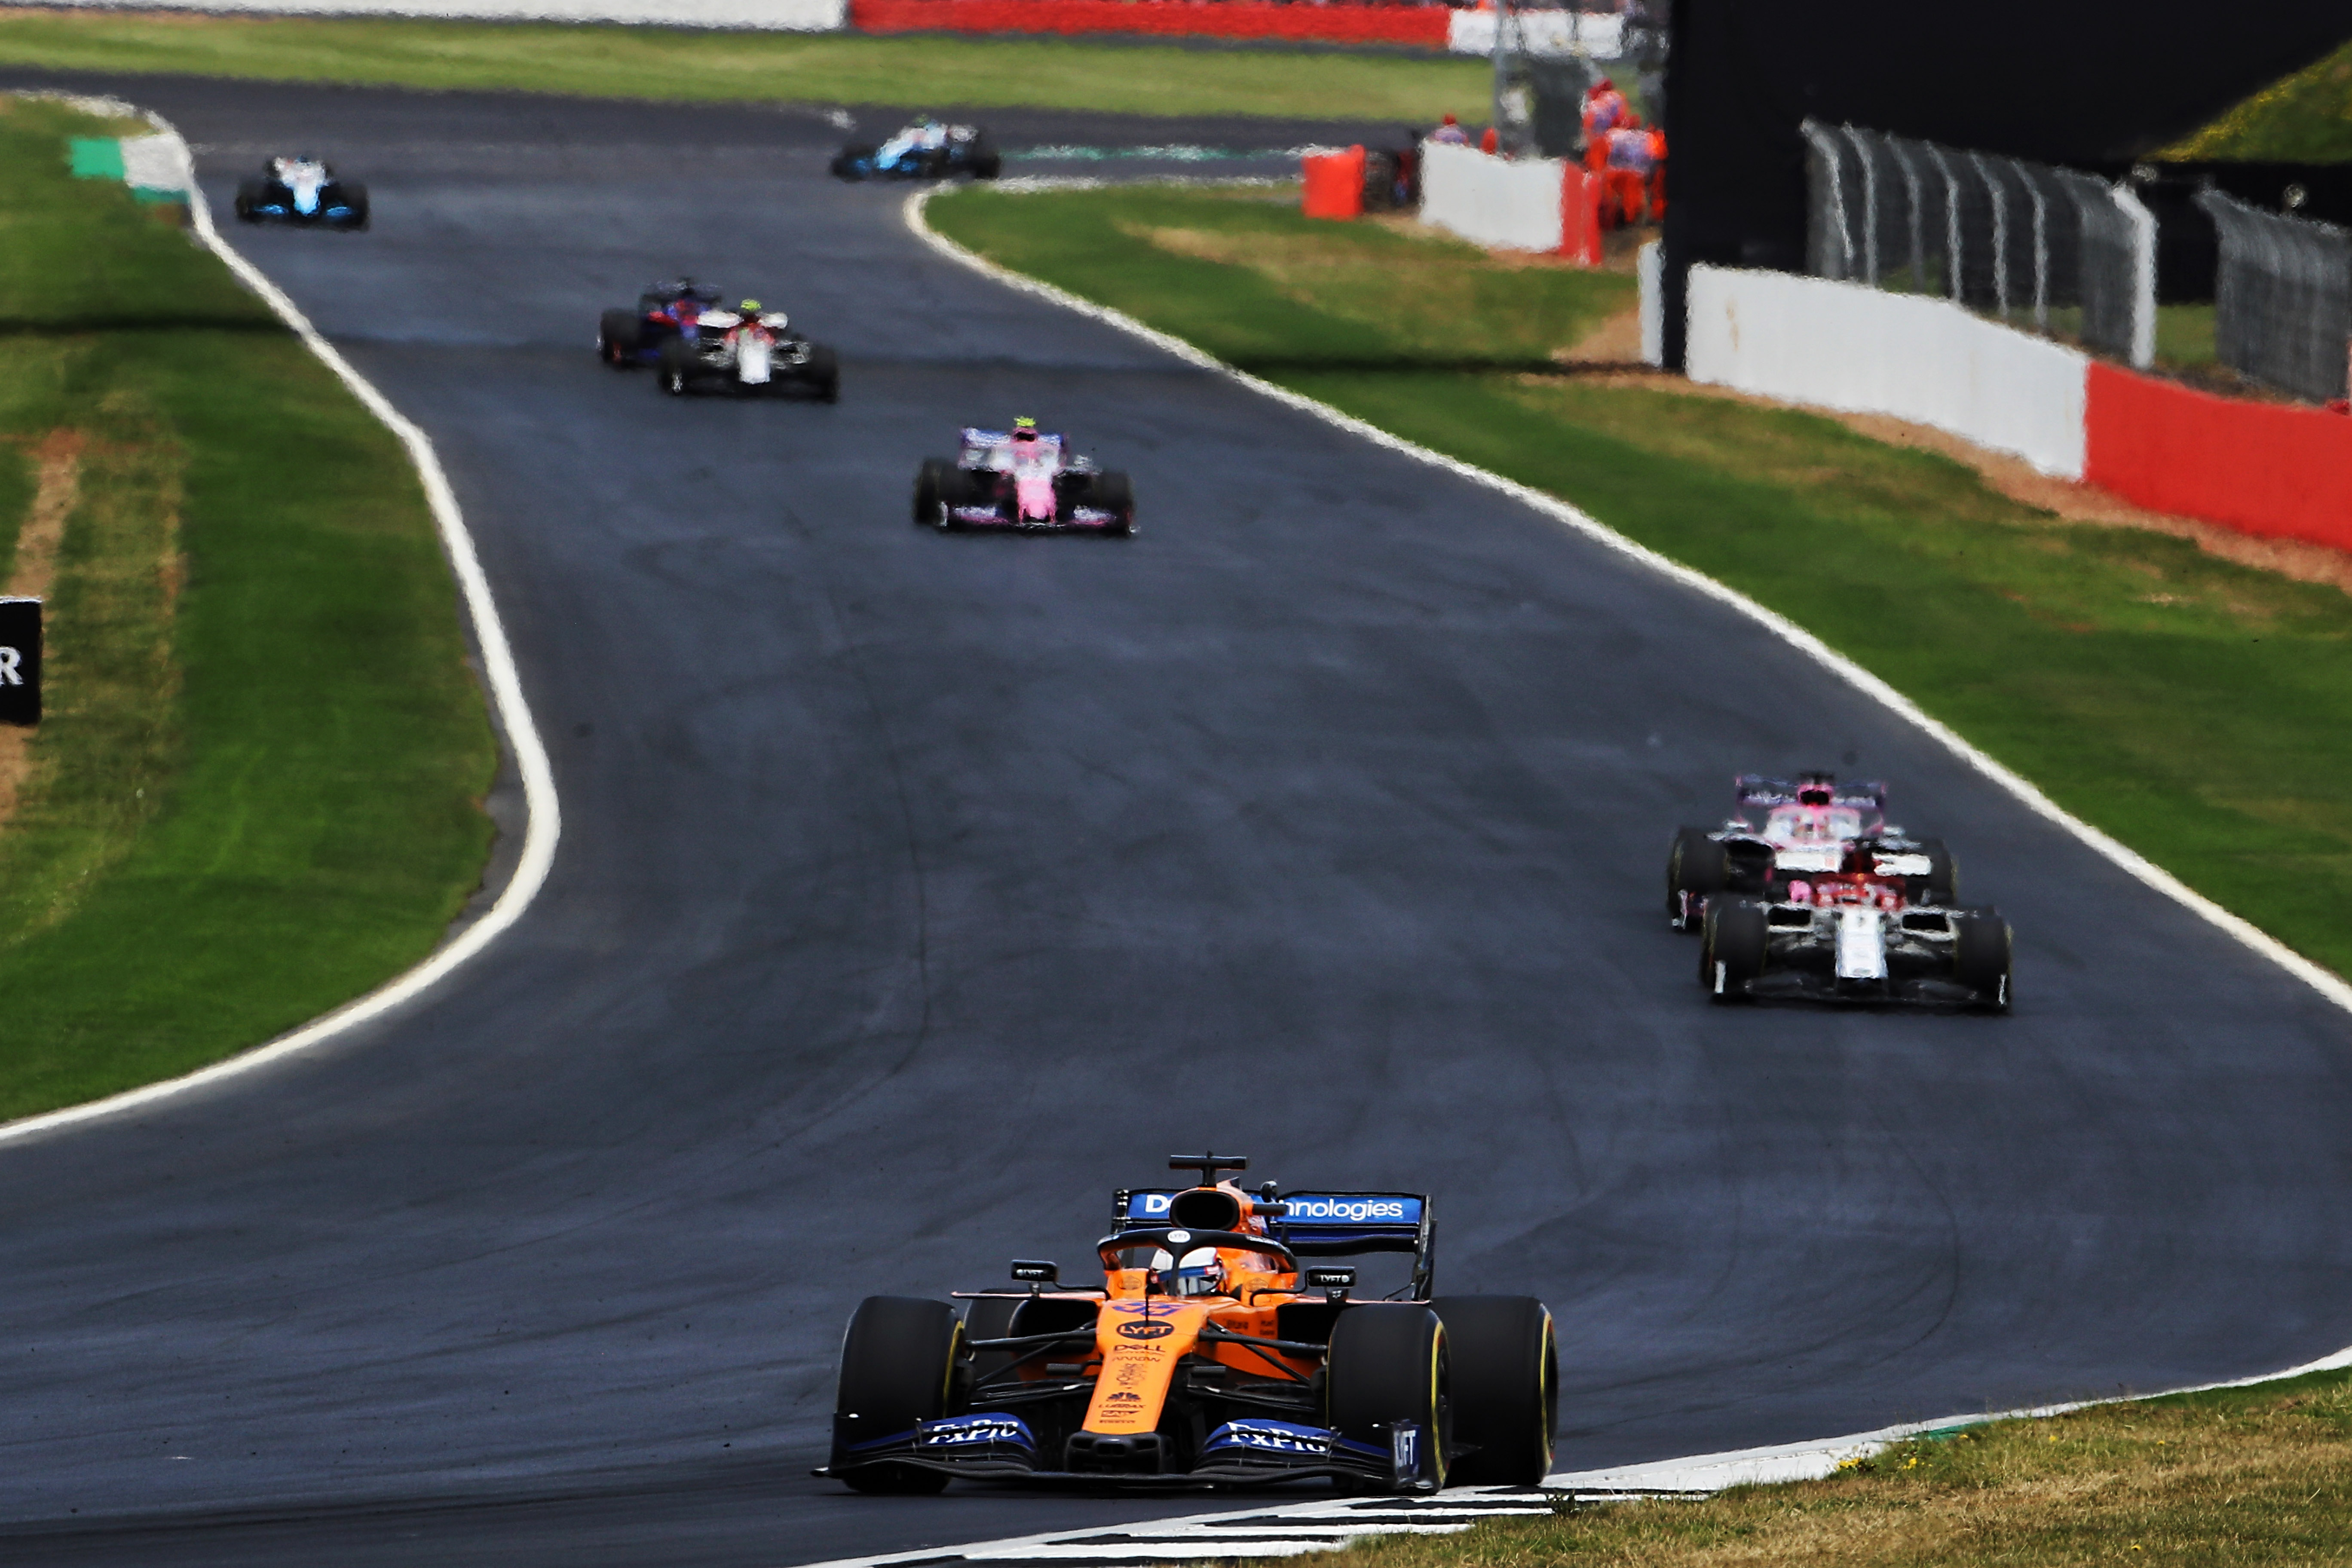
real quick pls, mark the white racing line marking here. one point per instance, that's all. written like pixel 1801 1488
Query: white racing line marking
pixel 543 822
pixel 1310 1527
pixel 2129 861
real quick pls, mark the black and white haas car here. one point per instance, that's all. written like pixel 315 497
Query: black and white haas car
pixel 750 352
pixel 1026 478
pixel 1216 1352
pixel 301 190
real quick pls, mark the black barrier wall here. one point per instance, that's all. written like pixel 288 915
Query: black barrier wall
pixel 20 661
pixel 2076 82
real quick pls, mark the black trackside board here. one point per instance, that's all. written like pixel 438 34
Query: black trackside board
pixel 916 890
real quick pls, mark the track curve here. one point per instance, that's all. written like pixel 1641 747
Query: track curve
pixel 915 890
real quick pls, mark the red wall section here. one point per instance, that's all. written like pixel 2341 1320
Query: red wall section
pixel 1422 25
pixel 2258 467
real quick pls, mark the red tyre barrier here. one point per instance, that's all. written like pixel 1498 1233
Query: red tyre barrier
pixel 1579 215
pixel 1422 24
pixel 1334 183
pixel 2258 467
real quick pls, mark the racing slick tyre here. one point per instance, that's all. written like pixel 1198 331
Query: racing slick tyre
pixel 1981 956
pixel 931 482
pixel 990 1318
pixel 1504 1362
pixel 846 163
pixel 1943 879
pixel 677 367
pixel 1697 866
pixel 1731 947
pixel 355 198
pixel 823 373
pixel 1387 1364
pixel 987 162
pixel 250 194
pixel 617 339
pixel 899 1363
pixel 1113 491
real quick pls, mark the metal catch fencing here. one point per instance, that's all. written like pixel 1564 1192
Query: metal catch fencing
pixel 2283 297
pixel 2018 240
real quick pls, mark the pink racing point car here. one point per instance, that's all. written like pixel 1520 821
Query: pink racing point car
pixel 1022 479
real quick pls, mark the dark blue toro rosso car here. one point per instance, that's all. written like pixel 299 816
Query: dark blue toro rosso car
pixel 1220 1349
pixel 667 309
pixel 926 149
pixel 303 191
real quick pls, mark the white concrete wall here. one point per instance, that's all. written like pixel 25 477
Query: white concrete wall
pixel 1860 350
pixel 781 15
pixel 1545 32
pixel 1649 266
pixel 1503 204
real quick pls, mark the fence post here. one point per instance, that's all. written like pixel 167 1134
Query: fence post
pixel 1951 221
pixel 1999 233
pixel 2040 254
pixel 1869 206
pixel 1826 146
pixel 2142 311
pixel 1911 209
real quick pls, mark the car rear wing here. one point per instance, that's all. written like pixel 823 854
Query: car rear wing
pixel 1755 789
pixel 1321 1224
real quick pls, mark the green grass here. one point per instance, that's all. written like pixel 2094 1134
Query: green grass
pixel 2199 710
pixel 2253 1477
pixel 255 793
pixel 2306 118
pixel 764 68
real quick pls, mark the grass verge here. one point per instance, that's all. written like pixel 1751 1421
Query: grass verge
pixel 2252 1476
pixel 256 792
pixel 2306 118
pixel 701 66
pixel 2199 710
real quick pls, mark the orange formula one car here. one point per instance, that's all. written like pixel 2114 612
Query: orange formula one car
pixel 1213 1352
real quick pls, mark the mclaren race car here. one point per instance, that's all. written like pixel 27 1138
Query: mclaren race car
pixel 667 309
pixel 1795 827
pixel 926 149
pixel 303 190
pixel 1023 478
pixel 1853 934
pixel 1218 1349
pixel 750 352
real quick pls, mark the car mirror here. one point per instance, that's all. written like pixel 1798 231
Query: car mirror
pixel 1030 1271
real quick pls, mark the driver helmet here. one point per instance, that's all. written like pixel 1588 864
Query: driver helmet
pixel 1200 1272
pixel 1024 429
pixel 748 310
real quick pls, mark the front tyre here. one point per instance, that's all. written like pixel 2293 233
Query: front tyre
pixel 1732 944
pixel 677 371
pixel 931 484
pixel 1505 1367
pixel 1697 867
pixel 1388 1364
pixel 899 1363
pixel 1114 492
pixel 1981 956
pixel 823 373
pixel 617 338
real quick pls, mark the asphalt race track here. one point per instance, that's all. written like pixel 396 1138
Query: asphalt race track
pixel 915 890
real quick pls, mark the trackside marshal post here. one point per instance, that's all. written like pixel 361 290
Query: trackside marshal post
pixel 20 661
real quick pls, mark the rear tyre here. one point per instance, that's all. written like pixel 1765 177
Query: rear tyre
pixel 851 161
pixel 1387 1364
pixel 677 368
pixel 930 480
pixel 898 1367
pixel 1113 492
pixel 1981 956
pixel 1943 883
pixel 1505 1387
pixel 1695 865
pixel 1731 947
pixel 355 198
pixel 617 338
pixel 823 373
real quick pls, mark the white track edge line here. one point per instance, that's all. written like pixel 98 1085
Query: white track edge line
pixel 2131 862
pixel 542 817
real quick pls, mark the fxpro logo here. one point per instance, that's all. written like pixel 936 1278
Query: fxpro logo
pixel 1352 1211
pixel 959 1430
